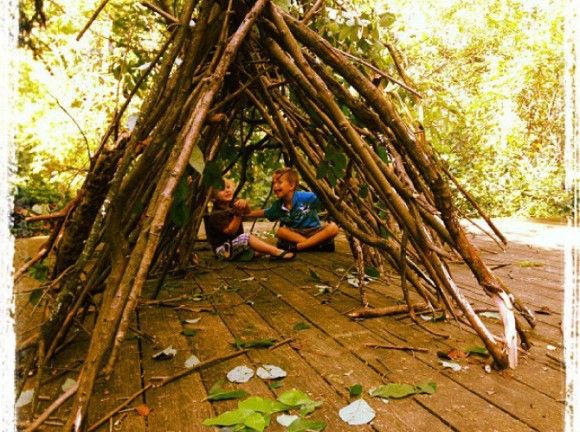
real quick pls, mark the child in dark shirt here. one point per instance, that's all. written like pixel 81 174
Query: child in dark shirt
pixel 300 227
pixel 225 231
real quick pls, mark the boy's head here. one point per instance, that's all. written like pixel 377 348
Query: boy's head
pixel 224 195
pixel 285 182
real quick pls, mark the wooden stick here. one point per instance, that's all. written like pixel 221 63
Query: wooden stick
pixel 396 347
pixel 282 342
pixel 119 408
pixel 160 11
pixel 201 365
pixel 384 311
pixel 53 407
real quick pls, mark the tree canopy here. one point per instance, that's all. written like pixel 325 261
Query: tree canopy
pixel 489 73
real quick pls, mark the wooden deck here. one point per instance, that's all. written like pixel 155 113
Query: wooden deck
pixel 263 299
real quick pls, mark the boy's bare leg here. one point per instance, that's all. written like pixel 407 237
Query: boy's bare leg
pixel 261 246
pixel 328 232
pixel 289 235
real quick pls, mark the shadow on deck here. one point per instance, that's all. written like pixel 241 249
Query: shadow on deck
pixel 208 309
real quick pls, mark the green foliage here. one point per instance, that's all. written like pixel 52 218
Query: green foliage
pixel 257 343
pixel 61 79
pixel 490 74
pixel 39 271
pixel 254 413
pixel 399 391
pixel 491 77
pixel 355 390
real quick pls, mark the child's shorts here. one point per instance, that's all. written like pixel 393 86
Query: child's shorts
pixel 233 248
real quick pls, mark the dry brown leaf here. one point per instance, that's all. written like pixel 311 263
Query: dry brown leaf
pixel 143 410
pixel 455 354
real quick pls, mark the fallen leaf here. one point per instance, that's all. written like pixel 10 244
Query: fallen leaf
pixel 314 276
pixel 226 395
pixel 143 410
pixel 189 332
pixel 455 354
pixel 257 343
pixel 166 354
pixel 355 390
pixel 262 405
pixel 451 365
pixel 240 374
pixel 357 413
pixel 192 321
pixel 270 372
pixel 306 425
pixel 526 263
pixel 426 388
pixel 477 350
pixel 393 391
pixel 286 419
pixel 25 398
pixel 191 362
pixel 68 384
pixel 276 384
pixel 301 326
pixel 492 315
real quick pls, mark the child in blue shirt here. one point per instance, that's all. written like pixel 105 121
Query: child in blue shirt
pixel 300 227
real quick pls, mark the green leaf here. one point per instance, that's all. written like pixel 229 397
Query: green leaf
pixel 217 387
pixel 477 350
pixel 363 191
pixel 383 154
pixel 301 326
pixel 526 264
pixel 39 271
pixel 35 296
pixel 265 406
pixel 226 395
pixel 372 272
pixel 355 390
pixel 246 256
pixel 298 399
pixel 257 343
pixel 383 232
pixel 426 387
pixel 306 425
pixel 229 418
pixel 276 384
pixel 189 332
pixel 314 276
pixel 196 160
pixel 255 421
pixel 393 391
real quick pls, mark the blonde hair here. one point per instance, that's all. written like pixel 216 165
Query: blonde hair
pixel 290 173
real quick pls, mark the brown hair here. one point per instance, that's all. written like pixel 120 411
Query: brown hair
pixel 215 191
pixel 290 173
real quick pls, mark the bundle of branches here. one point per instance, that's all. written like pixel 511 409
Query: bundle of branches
pixel 250 66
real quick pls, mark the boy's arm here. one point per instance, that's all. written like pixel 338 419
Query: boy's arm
pixel 258 213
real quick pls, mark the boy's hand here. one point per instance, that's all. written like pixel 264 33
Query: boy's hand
pixel 242 205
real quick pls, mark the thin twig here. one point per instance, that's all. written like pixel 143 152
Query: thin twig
pixel 396 347
pixel 119 408
pixel 52 408
pixel 92 19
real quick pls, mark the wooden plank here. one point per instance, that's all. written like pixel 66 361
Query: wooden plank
pixel 178 406
pixel 248 325
pixel 536 369
pixel 510 395
pixel 452 400
pixel 125 381
pixel 319 351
